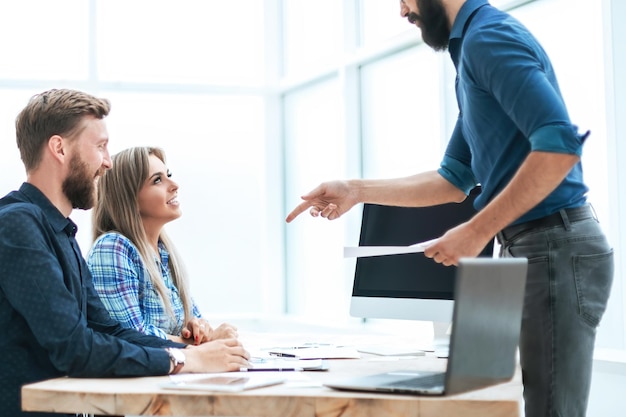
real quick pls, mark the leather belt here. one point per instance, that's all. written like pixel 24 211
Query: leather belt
pixel 560 218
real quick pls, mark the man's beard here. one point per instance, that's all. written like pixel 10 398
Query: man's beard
pixel 433 23
pixel 79 186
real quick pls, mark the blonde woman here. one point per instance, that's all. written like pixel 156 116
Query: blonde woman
pixel 136 270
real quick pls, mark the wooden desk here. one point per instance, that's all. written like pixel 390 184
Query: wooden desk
pixel 143 396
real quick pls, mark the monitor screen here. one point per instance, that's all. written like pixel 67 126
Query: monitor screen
pixel 407 286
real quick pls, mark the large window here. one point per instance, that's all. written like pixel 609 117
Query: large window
pixel 578 58
pixel 313 35
pixel 44 40
pixel 402 135
pixel 380 22
pixel 191 41
pixel 187 76
pixel 314 148
pixel 399 104
pixel 255 104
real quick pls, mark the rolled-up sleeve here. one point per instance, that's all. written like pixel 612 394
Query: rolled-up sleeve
pixel 456 164
pixel 557 139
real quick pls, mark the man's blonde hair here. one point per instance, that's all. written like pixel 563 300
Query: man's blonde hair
pixel 54 112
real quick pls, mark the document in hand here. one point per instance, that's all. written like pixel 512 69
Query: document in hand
pixel 365 251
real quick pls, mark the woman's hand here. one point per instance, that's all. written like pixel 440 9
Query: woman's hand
pixel 199 331
pixel 224 331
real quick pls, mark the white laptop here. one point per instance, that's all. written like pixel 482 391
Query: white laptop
pixel 486 323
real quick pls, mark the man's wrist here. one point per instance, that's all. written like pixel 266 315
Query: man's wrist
pixel 177 360
pixel 355 189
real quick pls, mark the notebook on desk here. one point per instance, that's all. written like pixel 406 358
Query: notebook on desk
pixel 486 322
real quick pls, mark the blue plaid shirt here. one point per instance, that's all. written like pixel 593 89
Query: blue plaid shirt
pixel 124 286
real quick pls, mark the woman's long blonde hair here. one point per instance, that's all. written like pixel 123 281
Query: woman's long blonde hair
pixel 117 210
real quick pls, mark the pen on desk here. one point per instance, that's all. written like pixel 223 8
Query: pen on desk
pixel 270 369
pixel 310 345
pixel 282 355
pixel 289 347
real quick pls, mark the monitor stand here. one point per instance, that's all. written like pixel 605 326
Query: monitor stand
pixel 441 338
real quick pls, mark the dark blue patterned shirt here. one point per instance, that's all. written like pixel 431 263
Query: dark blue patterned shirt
pixel 52 321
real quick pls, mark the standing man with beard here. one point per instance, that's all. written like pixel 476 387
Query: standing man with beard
pixel 51 319
pixel 513 136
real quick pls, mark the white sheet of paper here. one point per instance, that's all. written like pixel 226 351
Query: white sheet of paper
pixel 365 251
pixel 279 363
pixel 324 352
pixel 225 382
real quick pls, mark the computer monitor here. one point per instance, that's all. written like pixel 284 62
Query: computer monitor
pixel 407 286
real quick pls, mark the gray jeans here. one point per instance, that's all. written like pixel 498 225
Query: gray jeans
pixel 570 272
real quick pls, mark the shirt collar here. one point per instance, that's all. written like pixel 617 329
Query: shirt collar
pixel 163 253
pixel 466 11
pixel 54 216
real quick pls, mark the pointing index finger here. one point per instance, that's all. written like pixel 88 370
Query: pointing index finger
pixel 298 210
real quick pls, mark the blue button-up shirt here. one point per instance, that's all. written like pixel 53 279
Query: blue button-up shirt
pixel 123 283
pixel 510 104
pixel 52 321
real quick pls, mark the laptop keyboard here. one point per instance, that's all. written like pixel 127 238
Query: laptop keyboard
pixel 426 381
